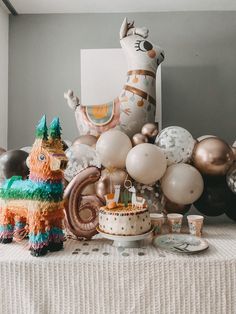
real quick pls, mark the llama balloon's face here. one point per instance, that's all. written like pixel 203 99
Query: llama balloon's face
pixel 140 52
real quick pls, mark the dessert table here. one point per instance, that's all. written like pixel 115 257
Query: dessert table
pixel 95 277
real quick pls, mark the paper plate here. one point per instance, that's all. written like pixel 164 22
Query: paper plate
pixel 181 243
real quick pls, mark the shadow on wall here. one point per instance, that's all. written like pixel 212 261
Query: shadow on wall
pixel 193 96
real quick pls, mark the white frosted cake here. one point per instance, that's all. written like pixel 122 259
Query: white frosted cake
pixel 124 221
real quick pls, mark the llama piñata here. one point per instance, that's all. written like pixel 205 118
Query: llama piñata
pixel 37 202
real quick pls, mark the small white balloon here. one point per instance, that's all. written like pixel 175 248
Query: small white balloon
pixel 112 148
pixel 27 149
pixel 182 184
pixel 176 143
pixel 80 156
pixel 146 163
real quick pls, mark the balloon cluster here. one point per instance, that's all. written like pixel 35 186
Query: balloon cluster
pixel 188 171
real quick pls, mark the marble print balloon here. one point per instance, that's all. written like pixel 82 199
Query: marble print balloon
pixel 80 157
pixel 231 178
pixel 176 143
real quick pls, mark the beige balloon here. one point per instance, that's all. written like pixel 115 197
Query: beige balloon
pixel 146 163
pixel 182 184
pixel 87 139
pixel 112 148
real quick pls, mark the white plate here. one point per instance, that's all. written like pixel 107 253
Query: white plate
pixel 126 241
pixel 181 243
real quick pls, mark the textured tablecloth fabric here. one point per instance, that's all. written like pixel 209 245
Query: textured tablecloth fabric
pixel 95 277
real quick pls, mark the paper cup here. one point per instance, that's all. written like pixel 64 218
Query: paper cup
pixel 157 221
pixel 174 222
pixel 195 223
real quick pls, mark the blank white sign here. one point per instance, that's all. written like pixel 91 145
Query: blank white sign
pixel 103 74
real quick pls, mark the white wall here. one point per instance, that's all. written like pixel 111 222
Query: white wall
pixel 4 27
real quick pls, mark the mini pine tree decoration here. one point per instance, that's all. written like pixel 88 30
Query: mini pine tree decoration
pixel 55 129
pixel 41 129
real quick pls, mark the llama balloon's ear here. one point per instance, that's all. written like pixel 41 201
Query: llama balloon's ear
pixel 124 28
pixel 41 129
pixel 55 129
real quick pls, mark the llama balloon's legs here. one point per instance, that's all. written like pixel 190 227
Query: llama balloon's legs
pixel 6 225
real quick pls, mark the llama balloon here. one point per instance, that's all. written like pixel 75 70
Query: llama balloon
pixel 136 104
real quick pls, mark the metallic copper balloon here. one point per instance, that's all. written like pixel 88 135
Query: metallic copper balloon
pixel 109 178
pixel 150 130
pixel 213 200
pixel 139 138
pixel 13 163
pixel 2 151
pixel 170 207
pixel 212 156
pixel 89 140
pixel 234 152
pixel 82 211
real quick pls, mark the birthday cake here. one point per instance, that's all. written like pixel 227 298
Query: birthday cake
pixel 124 220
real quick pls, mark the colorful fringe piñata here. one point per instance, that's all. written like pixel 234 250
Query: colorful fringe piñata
pixel 36 204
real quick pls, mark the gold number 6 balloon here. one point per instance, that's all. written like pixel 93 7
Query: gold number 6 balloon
pixel 82 210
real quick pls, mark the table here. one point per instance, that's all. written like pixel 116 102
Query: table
pixel 94 277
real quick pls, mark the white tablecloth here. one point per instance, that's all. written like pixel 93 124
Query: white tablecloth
pixel 94 277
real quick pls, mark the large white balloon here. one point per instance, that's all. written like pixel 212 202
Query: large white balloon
pixel 112 148
pixel 146 163
pixel 176 143
pixel 182 184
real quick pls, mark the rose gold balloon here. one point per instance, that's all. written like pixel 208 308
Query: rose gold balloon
pixel 234 152
pixel 89 140
pixel 109 178
pixel 212 156
pixel 139 139
pixel 150 130
pixel 82 211
pixel 2 150
pixel 170 207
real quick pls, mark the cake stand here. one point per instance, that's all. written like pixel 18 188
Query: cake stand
pixel 134 241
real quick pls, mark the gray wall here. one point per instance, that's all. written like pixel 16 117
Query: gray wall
pixel 199 73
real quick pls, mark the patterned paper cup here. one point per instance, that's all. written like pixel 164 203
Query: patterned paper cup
pixel 157 221
pixel 174 222
pixel 195 223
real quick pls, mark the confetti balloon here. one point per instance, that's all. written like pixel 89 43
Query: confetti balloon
pixel 146 163
pixel 80 156
pixel 212 156
pixel 182 184
pixel 112 148
pixel 176 143
pixel 231 178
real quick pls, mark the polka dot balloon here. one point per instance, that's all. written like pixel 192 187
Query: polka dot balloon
pixel 176 143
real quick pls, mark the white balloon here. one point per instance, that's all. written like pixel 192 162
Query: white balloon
pixel 203 137
pixel 146 163
pixel 182 184
pixel 112 148
pixel 176 143
pixel 27 149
